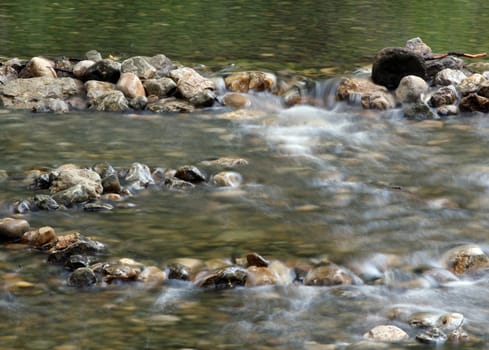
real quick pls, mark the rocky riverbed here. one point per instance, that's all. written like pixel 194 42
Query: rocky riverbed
pixel 422 84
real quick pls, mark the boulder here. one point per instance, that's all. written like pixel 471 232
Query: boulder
pixel 172 183
pixel 471 84
pixel 443 96
pixel 112 101
pixel 364 92
pixel 162 87
pixel 66 178
pixel 103 70
pixel 51 105
pixel 80 69
pixel 418 111
pixel 162 64
pixel 27 93
pixel 139 66
pixel 138 103
pixel 38 67
pixel 411 88
pixel 13 229
pixel 223 278
pixel 130 85
pixel 254 80
pixel 97 88
pixel 259 276
pixel 418 46
pixel 474 103
pixel 82 277
pixel 391 64
pixel 191 84
pixel 44 202
pixel 70 245
pixel 449 76
pixel 190 173
pixel 236 100
pixel 7 73
pixel 139 176
pixel 435 66
pixel 75 194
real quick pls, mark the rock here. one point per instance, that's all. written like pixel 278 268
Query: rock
pixel 386 333
pixel 364 92
pixel 162 64
pixel 443 96
pixel 82 277
pixel 112 101
pixel 435 66
pixel 111 184
pixel 63 67
pixel 73 245
pixel 130 85
pixel 103 70
pixel 411 88
pixel 393 63
pixel 419 111
pixel 447 110
pixel 162 87
pixel 236 100
pixel 259 276
pixel 178 271
pixel 7 73
pixel 449 76
pixel 329 275
pixel 254 259
pixel 284 275
pixel 41 237
pixel 246 81
pixel 138 103
pixel 38 67
pixel 93 55
pixel 80 69
pixel 139 66
pixel 418 46
pixel 66 178
pixel 433 336
pixel 172 183
pixel 76 194
pixel 152 275
pixel 122 270
pixel 223 278
pixel 76 261
pixel 27 93
pixel 104 169
pixel 97 206
pixel 169 105
pixel 13 229
pixel 191 85
pixel 190 173
pixel 471 84
pixel 205 98
pixel 226 162
pixel 139 176
pixel 465 259
pixel 227 179
pixel 474 103
pixel 51 105
pixel 96 88
pixel 483 88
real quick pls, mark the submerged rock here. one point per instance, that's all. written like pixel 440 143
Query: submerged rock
pixel 329 275
pixel 82 277
pixel 227 179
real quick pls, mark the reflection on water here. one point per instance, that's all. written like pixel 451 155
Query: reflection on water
pixel 335 183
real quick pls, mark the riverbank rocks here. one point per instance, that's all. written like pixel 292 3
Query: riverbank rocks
pixel 13 229
pixel 194 87
pixel 391 64
pixel 130 85
pixel 104 70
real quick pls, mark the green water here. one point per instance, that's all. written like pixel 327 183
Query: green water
pixel 319 183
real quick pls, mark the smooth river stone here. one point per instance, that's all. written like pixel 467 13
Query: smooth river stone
pixel 13 229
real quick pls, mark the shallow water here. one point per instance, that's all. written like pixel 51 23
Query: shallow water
pixel 360 188
pixel 338 182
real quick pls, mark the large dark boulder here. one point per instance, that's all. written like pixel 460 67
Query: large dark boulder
pixel 393 63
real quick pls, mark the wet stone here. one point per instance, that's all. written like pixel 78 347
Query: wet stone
pixel 83 246
pixel 443 96
pixel 112 101
pixel 13 229
pixel 162 87
pixel 139 176
pixel 419 111
pixel 76 261
pixel 254 259
pixel 44 236
pixel 81 67
pixel 104 169
pixel 170 105
pixel 432 336
pixel 172 183
pixel 190 173
pixel 259 276
pixel 328 275
pixel 178 271
pixel 411 88
pixel 82 277
pixel 138 103
pixel 253 80
pixel 97 206
pixel 104 70
pixel 111 184
pixel 227 179
pixel 139 66
pixel 386 333
pixel 45 202
pixel 465 259
pixel 223 278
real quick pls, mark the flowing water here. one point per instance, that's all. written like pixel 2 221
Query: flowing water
pixel 331 181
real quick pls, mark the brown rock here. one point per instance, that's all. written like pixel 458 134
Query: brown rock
pixel 190 83
pixel 152 275
pixel 236 100
pixel 160 87
pixel 38 238
pixel 328 275
pixel 254 259
pixel 259 276
pixel 474 103
pixel 97 88
pixel 130 85
pixel 38 67
pixel 471 84
pixel 64 179
pixel 464 259
pixel 246 81
pixel 81 67
pixel 443 96
pixel 227 179
pixel 368 94
pixel 13 229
